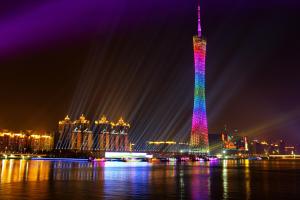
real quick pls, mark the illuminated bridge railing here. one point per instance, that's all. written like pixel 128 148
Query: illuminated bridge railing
pixel 285 156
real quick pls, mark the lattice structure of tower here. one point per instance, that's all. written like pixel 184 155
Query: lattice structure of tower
pixel 199 133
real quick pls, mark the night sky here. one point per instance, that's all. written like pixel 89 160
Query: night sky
pixel 134 59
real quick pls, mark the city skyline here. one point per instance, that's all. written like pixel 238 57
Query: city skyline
pixel 246 86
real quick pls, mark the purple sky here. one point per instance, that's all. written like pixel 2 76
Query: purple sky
pixel 252 63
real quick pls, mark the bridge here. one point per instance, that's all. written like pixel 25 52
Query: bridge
pixel 290 156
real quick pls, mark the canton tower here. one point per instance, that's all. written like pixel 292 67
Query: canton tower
pixel 199 133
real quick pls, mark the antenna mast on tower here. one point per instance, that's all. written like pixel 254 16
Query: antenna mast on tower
pixel 199 23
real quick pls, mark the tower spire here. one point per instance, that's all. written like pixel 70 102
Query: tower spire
pixel 199 23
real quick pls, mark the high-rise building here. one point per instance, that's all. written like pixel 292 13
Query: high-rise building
pixel 62 139
pixel 233 141
pixel 121 142
pixel 82 136
pixel 110 136
pixel 199 133
pixel 102 131
pixel 26 141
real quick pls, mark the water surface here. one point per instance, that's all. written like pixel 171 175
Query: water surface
pixel 21 179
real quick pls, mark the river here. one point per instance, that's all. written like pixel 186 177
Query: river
pixel 22 179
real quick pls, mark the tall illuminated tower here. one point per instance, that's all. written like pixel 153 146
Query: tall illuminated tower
pixel 199 134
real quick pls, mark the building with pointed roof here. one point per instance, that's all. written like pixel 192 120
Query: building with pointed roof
pixel 101 135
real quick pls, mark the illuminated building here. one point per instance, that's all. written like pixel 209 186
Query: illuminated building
pixel 82 136
pixel 259 148
pixel 12 142
pixel 102 135
pixel 269 148
pixel 228 141
pixel 111 136
pixel 290 150
pixel 63 136
pixel 120 133
pixel 166 146
pixel 199 133
pixel 40 142
pixel 233 142
pixel 25 141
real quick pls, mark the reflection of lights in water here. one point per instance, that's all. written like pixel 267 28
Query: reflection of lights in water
pixel 247 178
pixel 74 171
pixel 171 171
pixel 208 179
pixel 181 182
pixel 38 170
pixel 26 171
pixel 21 167
pixel 3 169
pixel 11 164
pixel 200 183
pixel 94 170
pixel 121 178
pixel 22 170
pixel 225 180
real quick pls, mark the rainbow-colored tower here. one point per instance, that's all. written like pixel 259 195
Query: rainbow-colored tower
pixel 199 134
